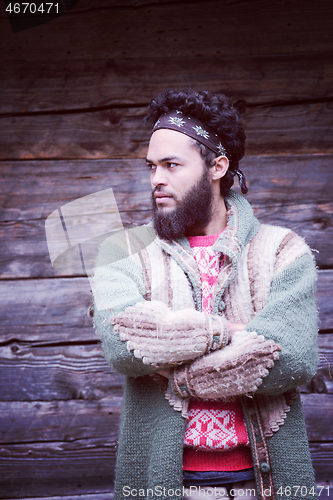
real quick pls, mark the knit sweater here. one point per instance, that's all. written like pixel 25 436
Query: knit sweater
pixel 268 283
pixel 215 425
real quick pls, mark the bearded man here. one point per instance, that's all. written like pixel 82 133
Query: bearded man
pixel 213 321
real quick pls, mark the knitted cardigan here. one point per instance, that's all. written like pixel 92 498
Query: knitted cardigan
pixel 268 283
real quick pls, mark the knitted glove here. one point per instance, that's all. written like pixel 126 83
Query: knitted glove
pixel 162 337
pixel 236 370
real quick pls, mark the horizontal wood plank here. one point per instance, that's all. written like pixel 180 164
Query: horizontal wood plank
pixel 88 84
pixel 83 454
pixel 167 30
pixel 25 253
pixel 289 191
pixel 120 133
pixel 34 189
pixel 70 421
pixel 322 459
pixel 38 422
pixel 318 413
pixel 26 471
pixel 65 302
pixel 45 370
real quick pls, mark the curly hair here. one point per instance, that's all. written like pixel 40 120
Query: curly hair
pixel 216 111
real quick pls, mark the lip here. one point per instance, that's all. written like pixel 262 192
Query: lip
pixel 162 196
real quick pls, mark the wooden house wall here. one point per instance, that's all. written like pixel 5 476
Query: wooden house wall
pixel 73 95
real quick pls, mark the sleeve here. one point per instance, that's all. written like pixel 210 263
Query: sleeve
pixel 139 336
pixel 117 284
pixel 288 320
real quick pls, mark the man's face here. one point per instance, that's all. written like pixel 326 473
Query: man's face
pixel 181 187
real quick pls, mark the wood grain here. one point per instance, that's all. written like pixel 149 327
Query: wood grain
pixel 64 303
pixel 33 189
pixel 79 446
pixel 166 30
pixel 120 133
pixel 88 84
pixel 46 370
pixel 294 192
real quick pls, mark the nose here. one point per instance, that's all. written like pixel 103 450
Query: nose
pixel 158 177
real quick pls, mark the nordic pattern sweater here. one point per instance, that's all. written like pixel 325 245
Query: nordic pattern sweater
pixel 268 283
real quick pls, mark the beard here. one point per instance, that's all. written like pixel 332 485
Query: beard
pixel 193 212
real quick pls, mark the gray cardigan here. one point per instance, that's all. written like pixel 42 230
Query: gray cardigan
pixel 269 284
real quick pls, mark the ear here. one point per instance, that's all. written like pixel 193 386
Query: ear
pixel 220 167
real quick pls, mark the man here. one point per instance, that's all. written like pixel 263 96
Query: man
pixel 222 325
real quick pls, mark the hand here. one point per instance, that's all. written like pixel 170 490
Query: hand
pixel 235 327
pixel 235 370
pixel 162 337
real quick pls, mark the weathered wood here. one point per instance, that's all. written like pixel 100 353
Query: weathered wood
pixel 40 371
pixel 325 299
pixel 290 191
pixel 65 303
pixel 88 84
pixel 167 29
pixel 51 468
pixel 322 460
pixel 74 371
pixel 34 189
pixel 58 303
pixel 38 421
pixel 69 421
pixel 25 253
pixel 79 447
pixel 318 412
pixel 120 133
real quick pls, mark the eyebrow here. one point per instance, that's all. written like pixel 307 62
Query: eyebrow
pixel 166 159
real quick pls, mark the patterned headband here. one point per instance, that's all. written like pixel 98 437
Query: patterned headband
pixel 188 125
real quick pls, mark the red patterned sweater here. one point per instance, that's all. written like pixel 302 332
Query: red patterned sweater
pixel 215 435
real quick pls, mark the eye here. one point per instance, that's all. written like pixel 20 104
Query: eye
pixel 151 166
pixel 172 165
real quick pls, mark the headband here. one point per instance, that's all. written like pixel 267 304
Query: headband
pixel 196 129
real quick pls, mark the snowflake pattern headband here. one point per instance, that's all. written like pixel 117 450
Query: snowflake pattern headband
pixel 188 125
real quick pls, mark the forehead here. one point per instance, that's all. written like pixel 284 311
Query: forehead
pixel 164 143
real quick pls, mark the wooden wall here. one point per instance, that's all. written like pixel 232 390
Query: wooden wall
pixel 73 94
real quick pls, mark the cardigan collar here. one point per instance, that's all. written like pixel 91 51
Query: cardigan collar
pixel 242 226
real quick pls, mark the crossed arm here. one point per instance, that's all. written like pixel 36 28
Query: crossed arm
pixel 204 355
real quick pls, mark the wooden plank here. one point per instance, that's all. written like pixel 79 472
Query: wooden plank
pixel 169 29
pixel 84 465
pixel 322 459
pixel 79 371
pixel 61 303
pixel 322 382
pixel 39 422
pixel 120 133
pixel 25 253
pixel 325 299
pixel 318 413
pixel 42 371
pixel 288 191
pixel 65 302
pixel 50 469
pixel 34 189
pixel 88 84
